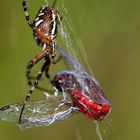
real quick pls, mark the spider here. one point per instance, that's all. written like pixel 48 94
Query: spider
pixel 45 29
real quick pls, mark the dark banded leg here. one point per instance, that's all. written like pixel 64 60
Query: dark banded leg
pixel 47 68
pixel 28 76
pixel 43 68
pixel 46 73
pixel 24 4
pixel 47 60
pixel 54 61
pixel 32 62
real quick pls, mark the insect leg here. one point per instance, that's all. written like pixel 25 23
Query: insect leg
pixel 33 87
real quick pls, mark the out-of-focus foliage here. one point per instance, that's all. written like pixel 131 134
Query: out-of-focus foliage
pixel 110 32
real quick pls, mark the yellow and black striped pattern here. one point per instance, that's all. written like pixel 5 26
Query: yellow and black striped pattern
pixel 24 4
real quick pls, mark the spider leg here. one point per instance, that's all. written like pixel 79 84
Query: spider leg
pixel 54 61
pixel 47 67
pixel 47 74
pixel 46 64
pixel 32 62
pixel 24 4
pixel 47 59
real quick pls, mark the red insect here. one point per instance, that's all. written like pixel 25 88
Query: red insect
pixel 85 91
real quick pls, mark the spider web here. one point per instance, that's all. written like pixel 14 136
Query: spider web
pixel 38 113
pixel 50 110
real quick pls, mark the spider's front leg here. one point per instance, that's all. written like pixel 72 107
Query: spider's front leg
pixel 27 16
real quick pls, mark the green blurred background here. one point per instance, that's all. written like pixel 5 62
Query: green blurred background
pixel 110 32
